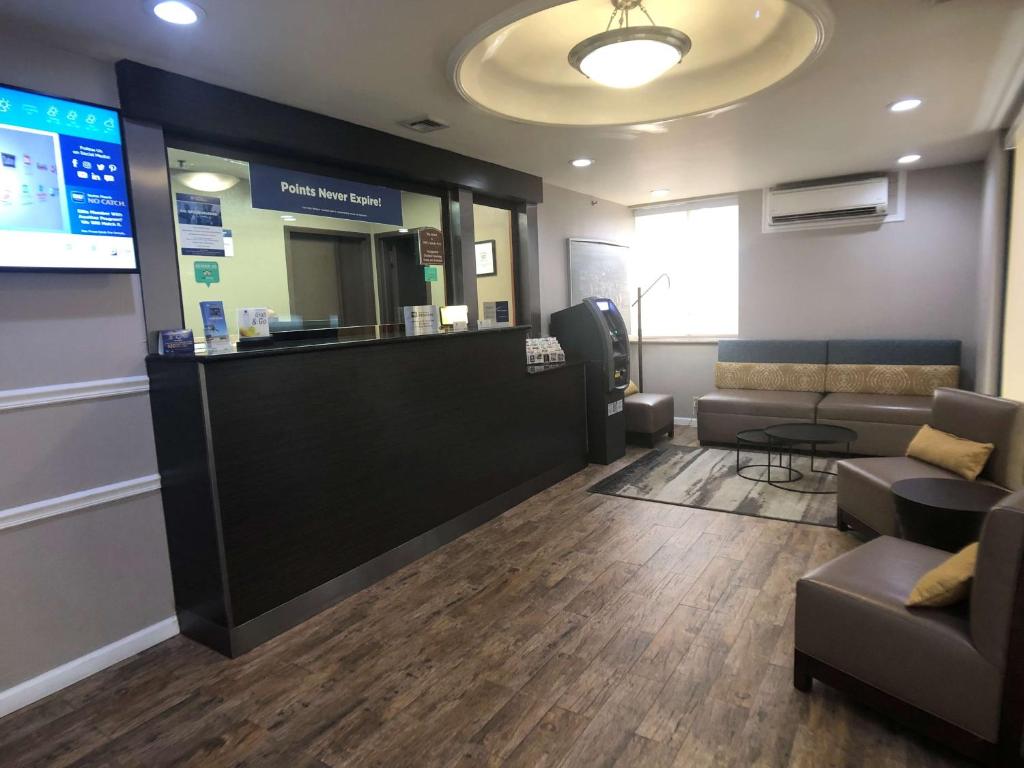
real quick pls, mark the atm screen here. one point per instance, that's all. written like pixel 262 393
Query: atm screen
pixel 603 306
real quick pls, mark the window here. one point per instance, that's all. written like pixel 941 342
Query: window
pixel 309 268
pixel 697 245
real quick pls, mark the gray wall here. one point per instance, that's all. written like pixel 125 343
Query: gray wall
pixel 565 214
pixel 912 279
pixel 75 582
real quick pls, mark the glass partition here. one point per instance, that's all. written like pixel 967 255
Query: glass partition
pixel 495 267
pixel 314 251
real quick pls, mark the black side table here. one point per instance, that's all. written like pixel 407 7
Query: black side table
pixel 945 513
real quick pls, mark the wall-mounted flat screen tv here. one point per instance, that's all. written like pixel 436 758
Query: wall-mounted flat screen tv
pixel 64 201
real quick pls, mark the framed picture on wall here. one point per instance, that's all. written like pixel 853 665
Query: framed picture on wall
pixel 486 264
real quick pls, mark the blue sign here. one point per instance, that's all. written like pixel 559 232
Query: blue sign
pixel 278 189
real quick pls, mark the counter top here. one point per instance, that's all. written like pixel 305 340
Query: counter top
pixel 341 340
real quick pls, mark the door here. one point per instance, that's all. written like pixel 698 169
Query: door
pixel 331 274
pixel 400 274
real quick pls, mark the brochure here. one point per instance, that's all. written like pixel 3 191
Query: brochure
pixel 215 326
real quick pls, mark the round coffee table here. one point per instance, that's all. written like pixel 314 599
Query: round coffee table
pixel 786 437
pixel 757 440
pixel 945 513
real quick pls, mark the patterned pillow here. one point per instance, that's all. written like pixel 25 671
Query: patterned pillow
pixel 792 377
pixel 891 379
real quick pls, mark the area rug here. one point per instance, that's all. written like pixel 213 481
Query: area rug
pixel 706 478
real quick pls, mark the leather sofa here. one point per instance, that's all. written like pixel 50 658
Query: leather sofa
pixel 880 388
pixel 956 674
pixel 864 498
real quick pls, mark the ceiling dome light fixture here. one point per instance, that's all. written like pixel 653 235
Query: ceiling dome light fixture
pixel 908 159
pixel 628 57
pixel 582 162
pixel 201 181
pixel 180 12
pixel 904 105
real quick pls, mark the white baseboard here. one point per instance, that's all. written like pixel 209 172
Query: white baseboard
pixel 43 685
pixel 682 421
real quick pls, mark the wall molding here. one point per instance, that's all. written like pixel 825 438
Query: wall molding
pixel 34 397
pixel 72 502
pixel 43 685
pixel 683 421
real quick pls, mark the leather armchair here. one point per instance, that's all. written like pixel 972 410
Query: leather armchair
pixel 956 674
pixel 864 497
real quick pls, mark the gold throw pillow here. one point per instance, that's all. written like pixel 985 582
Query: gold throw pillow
pixel 948 583
pixel 632 389
pixel 957 454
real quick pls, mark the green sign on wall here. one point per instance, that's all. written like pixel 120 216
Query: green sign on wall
pixel 430 274
pixel 207 272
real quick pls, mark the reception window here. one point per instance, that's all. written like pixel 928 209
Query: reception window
pixel 315 251
pixel 495 260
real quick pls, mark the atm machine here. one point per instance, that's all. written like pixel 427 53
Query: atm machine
pixel 593 332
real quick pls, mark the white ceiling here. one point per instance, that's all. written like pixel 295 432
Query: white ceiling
pixel 375 62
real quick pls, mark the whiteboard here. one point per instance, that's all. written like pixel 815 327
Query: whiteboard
pixel 599 268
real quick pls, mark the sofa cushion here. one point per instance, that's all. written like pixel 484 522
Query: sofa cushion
pixel 985 419
pixel 892 366
pixel 880 409
pixel 957 454
pixel 772 351
pixel 996 576
pixel 864 488
pixel 850 614
pixel 948 583
pixel 648 413
pixel 757 402
pixel 794 377
pixel 891 379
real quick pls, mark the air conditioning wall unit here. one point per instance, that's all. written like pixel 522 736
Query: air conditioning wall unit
pixel 829 203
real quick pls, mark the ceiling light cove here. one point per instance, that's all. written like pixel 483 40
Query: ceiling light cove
pixel 908 159
pixel 180 12
pixel 628 57
pixel 904 105
pixel 582 162
pixel 581 63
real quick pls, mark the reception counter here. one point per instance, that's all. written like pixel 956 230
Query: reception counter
pixel 294 475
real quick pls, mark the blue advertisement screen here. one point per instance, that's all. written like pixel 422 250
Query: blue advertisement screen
pixel 63 185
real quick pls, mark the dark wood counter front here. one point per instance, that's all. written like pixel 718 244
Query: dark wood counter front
pixel 293 480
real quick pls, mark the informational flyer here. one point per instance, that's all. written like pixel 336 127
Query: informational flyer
pixel 200 226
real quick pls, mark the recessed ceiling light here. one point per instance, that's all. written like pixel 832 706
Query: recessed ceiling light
pixel 403 231
pixel 660 192
pixel 582 162
pixel 904 105
pixel 908 159
pixel 181 12
pixel 286 217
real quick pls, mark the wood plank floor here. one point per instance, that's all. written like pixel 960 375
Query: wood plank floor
pixel 574 630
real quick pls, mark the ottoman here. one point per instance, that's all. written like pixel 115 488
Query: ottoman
pixel 648 416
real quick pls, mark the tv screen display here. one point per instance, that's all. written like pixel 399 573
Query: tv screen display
pixel 63 186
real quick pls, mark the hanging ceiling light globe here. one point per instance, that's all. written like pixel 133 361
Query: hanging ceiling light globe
pixel 628 57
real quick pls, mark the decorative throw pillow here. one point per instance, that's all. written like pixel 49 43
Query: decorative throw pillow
pixel 947 584
pixel 632 389
pixel 957 454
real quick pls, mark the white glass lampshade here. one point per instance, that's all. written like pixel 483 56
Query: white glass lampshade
pixel 630 64
pixel 202 181
pixel 629 57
